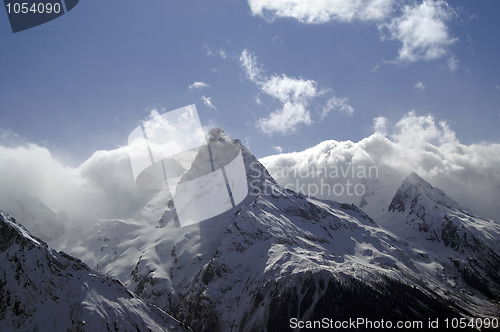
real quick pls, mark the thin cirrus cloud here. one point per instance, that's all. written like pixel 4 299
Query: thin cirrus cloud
pixel 295 95
pixel 420 28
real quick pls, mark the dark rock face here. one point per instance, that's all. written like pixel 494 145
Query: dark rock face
pixel 351 298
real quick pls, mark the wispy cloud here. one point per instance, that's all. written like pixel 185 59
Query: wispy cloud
pixel 419 85
pixel 295 94
pixel 337 104
pixel 208 102
pixel 453 63
pixel 248 62
pixel 220 52
pixel 198 85
pixel 278 148
pixel 380 125
pixel 9 137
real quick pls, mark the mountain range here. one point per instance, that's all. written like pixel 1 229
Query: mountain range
pixel 45 290
pixel 277 256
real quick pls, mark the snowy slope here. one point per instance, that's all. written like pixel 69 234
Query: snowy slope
pixel 45 290
pixel 277 255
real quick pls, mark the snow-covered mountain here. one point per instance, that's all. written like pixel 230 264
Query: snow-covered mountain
pixel 279 255
pixel 45 290
pixel 468 244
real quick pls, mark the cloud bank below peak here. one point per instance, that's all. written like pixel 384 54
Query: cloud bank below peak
pixel 101 187
pixel 416 143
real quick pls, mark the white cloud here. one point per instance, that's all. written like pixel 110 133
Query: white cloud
pixel 295 94
pixel 422 31
pixel 287 89
pixel 8 137
pixel 258 101
pixel 419 85
pixel 420 27
pixel 208 102
pixel 249 63
pixel 102 187
pixel 417 131
pixel 220 52
pixel 338 104
pixel 453 63
pixel 416 143
pixel 247 141
pixel 278 148
pixel 380 125
pixel 199 85
pixel 310 11
pixel 286 120
pixel 277 40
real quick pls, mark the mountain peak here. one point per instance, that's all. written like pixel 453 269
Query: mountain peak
pixel 415 192
pixel 217 134
pixel 414 178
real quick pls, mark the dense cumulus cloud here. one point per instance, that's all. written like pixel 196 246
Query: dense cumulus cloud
pixel 102 187
pixel 368 172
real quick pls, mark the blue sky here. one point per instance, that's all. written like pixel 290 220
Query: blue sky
pixel 83 82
